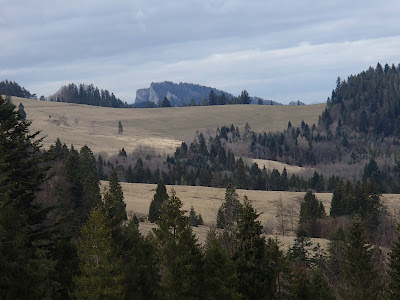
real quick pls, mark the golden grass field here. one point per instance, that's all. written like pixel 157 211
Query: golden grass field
pixel 207 200
pixel 160 128
pixel 163 129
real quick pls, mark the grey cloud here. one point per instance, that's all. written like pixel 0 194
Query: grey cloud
pixel 286 50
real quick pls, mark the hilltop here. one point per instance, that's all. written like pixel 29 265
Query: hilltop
pixel 161 128
pixel 185 93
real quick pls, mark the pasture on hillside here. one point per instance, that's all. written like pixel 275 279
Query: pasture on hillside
pixel 160 128
pixel 207 200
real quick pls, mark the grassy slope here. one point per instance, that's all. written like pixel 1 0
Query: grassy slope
pixel 206 201
pixel 161 128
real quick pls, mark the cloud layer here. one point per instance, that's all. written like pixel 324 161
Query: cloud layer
pixel 281 50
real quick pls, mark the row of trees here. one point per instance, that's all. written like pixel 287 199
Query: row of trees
pixel 61 239
pixel 88 94
pixel 11 88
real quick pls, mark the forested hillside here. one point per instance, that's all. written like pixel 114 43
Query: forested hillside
pixel 61 238
pixel 11 88
pixel 87 94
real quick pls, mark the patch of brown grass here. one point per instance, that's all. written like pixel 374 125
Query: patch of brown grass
pixel 159 128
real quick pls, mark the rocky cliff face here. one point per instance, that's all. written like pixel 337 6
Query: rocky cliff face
pixel 176 93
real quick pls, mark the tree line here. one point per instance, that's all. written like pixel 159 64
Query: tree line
pixel 89 95
pixel 60 238
pixel 11 88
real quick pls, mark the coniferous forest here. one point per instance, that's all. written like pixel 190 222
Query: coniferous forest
pixel 61 237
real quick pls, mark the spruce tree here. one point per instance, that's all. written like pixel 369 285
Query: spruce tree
pixel 88 176
pixel 257 279
pixel 100 270
pixel 159 198
pixel 227 219
pixel 114 203
pixel 24 266
pixel 220 277
pixel 338 204
pixel 393 290
pixel 140 264
pixel 181 257
pixel 310 210
pixel 360 278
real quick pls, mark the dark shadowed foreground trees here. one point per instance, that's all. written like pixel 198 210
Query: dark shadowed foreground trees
pixel 179 251
pixel 100 276
pixel 24 261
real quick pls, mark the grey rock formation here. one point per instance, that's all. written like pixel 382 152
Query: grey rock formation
pixel 177 94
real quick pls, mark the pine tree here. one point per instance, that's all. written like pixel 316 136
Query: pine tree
pixel 21 112
pixel 221 280
pixel 393 290
pixel 338 204
pixel 360 278
pixel 320 289
pixel 310 210
pixel 227 219
pixel 140 265
pixel 116 210
pixel 120 128
pixel 257 279
pixel 159 198
pixel 24 265
pixel 181 258
pixel 240 174
pixel 100 276
pixel 89 179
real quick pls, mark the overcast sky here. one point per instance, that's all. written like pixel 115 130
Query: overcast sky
pixel 281 50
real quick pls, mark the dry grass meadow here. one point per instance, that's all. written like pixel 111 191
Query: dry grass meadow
pixel 160 128
pixel 163 129
pixel 207 200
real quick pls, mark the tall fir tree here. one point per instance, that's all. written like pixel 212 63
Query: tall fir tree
pixel 100 270
pixel 310 210
pixel 140 264
pixel 257 278
pixel 360 278
pixel 88 175
pixel 393 288
pixel 227 219
pixel 220 277
pixel 181 257
pixel 159 198
pixel 24 262
pixel 115 206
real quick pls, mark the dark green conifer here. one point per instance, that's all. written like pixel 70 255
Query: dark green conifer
pixel 257 279
pixel 227 219
pixel 159 198
pixel 310 210
pixel 393 289
pixel 360 278
pixel 24 268
pixel 140 265
pixel 100 276
pixel 181 258
pixel 221 280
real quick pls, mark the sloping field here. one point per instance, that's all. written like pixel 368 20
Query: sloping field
pixel 206 201
pixel 270 165
pixel 160 128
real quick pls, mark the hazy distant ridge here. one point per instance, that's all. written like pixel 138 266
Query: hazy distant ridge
pixel 181 93
pixel 176 93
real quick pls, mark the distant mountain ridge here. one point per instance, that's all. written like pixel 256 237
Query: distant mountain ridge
pixel 177 94
pixel 181 93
